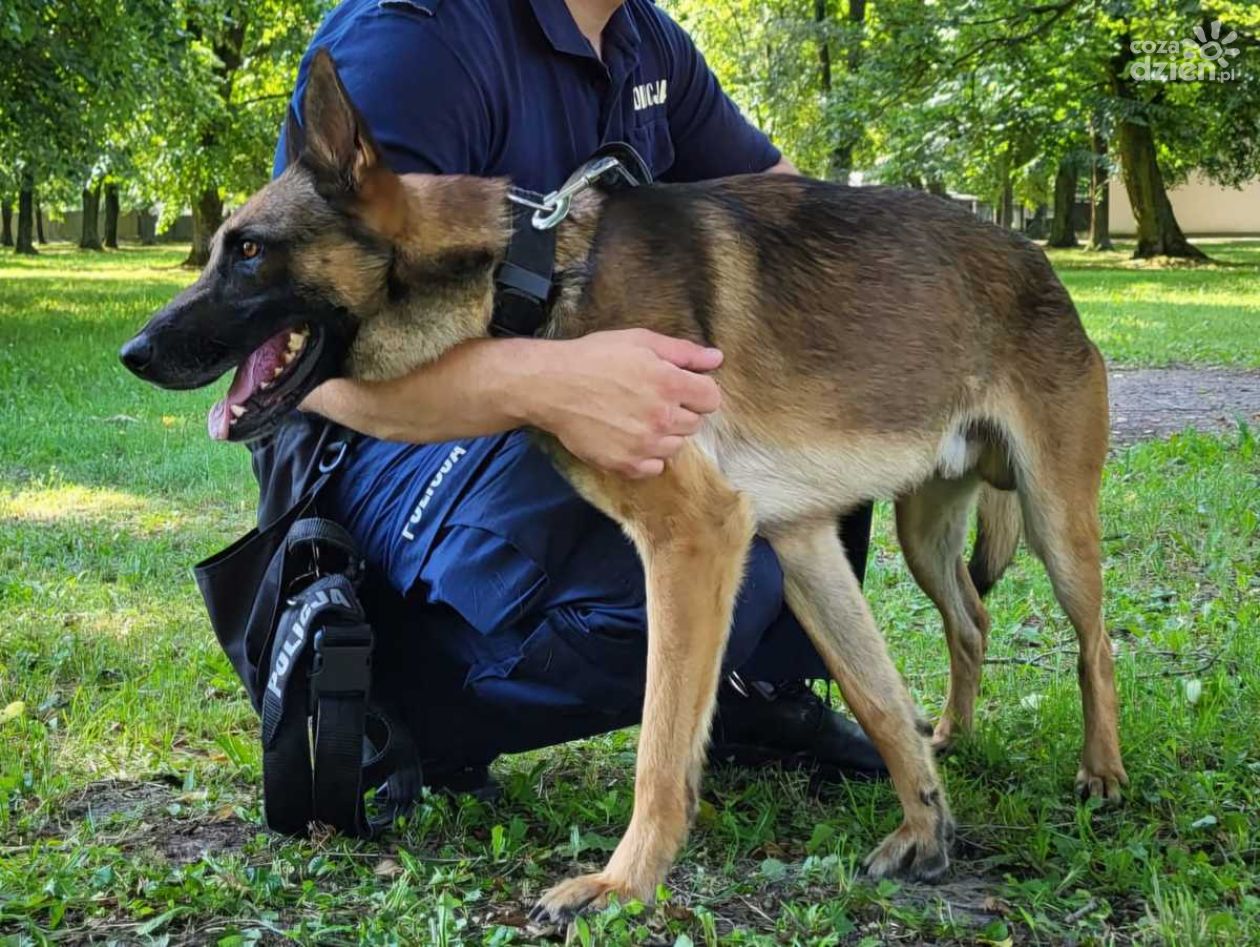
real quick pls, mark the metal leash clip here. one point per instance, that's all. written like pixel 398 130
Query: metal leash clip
pixel 555 206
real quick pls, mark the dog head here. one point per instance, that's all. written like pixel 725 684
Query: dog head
pixel 291 275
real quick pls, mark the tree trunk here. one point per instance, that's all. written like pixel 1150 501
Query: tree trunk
pixel 111 216
pixel 824 50
pixel 39 223
pixel 90 236
pixel 26 214
pixel 207 214
pixel 146 227
pixel 1099 195
pixel 207 207
pixel 841 161
pixel 6 221
pixel 1062 227
pixel 1035 229
pixel 824 74
pixel 1158 233
pixel 1006 204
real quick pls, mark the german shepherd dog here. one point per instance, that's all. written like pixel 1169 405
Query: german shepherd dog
pixel 879 344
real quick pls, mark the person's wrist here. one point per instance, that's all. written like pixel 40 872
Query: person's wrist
pixel 348 403
pixel 325 398
pixel 529 368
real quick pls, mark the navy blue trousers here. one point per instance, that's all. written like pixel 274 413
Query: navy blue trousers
pixel 520 606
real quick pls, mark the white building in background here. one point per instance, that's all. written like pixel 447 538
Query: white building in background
pixel 1203 208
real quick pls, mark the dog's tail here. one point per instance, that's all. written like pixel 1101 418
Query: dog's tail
pixel 998 526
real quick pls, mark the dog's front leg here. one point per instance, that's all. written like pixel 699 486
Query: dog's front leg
pixel 692 531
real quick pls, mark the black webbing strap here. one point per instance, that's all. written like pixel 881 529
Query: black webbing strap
pixel 393 765
pixel 321 666
pixel 316 529
pixel 284 604
pixel 631 161
pixel 524 280
pixel 324 740
pixel 340 687
pixel 522 283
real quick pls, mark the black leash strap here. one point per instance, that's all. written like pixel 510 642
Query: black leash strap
pixel 339 693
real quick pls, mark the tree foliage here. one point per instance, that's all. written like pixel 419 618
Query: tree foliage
pixel 178 103
pixel 997 98
pixel 228 69
pixel 180 100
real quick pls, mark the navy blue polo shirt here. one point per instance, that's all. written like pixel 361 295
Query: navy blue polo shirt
pixel 512 88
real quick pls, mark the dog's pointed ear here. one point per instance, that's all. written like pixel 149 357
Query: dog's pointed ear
pixel 337 144
pixel 294 138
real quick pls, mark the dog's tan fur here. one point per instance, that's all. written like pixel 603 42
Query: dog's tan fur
pixel 878 344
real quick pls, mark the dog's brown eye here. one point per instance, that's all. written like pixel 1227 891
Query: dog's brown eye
pixel 249 249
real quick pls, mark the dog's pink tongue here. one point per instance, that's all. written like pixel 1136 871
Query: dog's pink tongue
pixel 218 422
pixel 258 368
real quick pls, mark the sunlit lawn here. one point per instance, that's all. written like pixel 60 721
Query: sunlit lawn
pixel 126 748
pixel 1156 315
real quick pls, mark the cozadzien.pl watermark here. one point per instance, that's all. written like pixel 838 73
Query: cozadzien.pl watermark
pixel 1209 55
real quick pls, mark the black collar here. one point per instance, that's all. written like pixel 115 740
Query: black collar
pixel 525 280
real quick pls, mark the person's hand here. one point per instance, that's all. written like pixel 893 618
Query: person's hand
pixel 624 400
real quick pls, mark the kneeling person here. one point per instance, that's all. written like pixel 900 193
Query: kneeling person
pixel 528 602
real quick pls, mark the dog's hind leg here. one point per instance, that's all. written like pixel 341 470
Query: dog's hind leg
pixel 1059 485
pixel 824 594
pixel 692 531
pixel 932 529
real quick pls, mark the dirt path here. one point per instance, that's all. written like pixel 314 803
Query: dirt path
pixel 1156 402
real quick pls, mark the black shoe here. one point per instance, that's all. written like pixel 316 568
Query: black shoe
pixel 788 725
pixel 474 781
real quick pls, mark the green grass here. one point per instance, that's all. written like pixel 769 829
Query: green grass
pixel 133 750
pixel 1145 314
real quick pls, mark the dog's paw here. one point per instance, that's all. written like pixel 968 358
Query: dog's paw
pixel 949 732
pixel 914 853
pixel 1101 782
pixel 942 738
pixel 561 904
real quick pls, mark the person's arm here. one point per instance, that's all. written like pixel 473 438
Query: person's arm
pixel 620 400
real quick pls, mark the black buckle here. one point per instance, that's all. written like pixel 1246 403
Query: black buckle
pixel 342 662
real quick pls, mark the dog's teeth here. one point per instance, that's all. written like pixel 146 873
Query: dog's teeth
pixel 296 341
pixel 237 410
pixel 279 369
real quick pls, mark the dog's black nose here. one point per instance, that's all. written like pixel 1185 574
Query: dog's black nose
pixel 137 353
